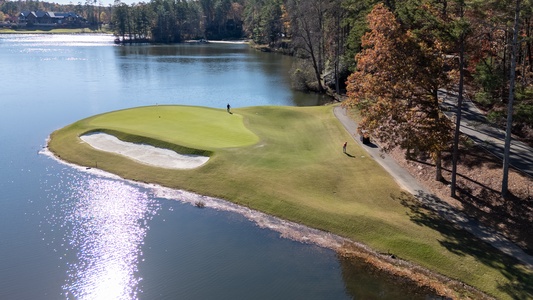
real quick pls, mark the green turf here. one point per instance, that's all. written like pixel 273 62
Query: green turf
pixel 288 162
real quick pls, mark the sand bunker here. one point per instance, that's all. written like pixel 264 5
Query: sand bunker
pixel 145 154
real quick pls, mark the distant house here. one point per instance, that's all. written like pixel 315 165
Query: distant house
pixel 67 17
pixel 50 19
pixel 24 16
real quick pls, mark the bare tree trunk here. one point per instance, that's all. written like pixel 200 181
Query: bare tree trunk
pixel 338 45
pixel 320 14
pixel 438 153
pixel 307 18
pixel 438 166
pixel 507 148
pixel 458 113
pixel 529 52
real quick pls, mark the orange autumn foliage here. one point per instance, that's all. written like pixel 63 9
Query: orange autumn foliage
pixel 395 86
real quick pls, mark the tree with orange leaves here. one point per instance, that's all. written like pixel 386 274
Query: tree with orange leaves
pixel 395 87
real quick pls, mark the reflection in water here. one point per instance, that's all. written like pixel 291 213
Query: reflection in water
pixel 364 281
pixel 106 227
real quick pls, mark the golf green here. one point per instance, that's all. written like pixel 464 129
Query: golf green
pixel 195 127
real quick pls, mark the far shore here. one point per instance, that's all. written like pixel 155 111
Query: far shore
pixel 104 32
pixel 53 31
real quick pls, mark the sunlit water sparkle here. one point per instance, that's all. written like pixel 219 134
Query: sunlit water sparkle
pixel 105 222
pixel 64 40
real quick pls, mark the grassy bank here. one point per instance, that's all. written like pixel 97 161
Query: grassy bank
pixel 288 162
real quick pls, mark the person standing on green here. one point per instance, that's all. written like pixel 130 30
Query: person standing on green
pixel 228 107
pixel 344 147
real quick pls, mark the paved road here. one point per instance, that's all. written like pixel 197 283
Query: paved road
pixel 412 185
pixel 475 126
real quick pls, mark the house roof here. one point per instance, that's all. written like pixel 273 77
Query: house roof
pixel 51 14
pixel 65 14
pixel 39 13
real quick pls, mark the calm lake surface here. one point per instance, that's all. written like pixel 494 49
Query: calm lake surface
pixel 67 233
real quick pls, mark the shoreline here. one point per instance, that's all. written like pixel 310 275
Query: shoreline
pixel 81 31
pixel 65 31
pixel 388 264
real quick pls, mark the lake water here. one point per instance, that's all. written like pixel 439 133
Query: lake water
pixel 70 234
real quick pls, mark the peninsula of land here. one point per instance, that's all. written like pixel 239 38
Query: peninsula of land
pixel 289 162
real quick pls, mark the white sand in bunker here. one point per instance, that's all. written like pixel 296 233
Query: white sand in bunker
pixel 146 154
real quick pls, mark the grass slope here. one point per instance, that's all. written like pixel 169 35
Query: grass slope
pixel 288 162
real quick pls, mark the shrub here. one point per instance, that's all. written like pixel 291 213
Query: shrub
pixel 496 117
pixel 489 77
pixel 484 98
pixel 524 113
pixel 302 76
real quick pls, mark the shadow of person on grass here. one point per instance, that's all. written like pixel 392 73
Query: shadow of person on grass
pixel 349 155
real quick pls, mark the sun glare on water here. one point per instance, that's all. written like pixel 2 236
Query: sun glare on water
pixel 107 227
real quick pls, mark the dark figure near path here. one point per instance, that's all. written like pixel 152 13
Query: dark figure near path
pixel 344 147
pixel 228 108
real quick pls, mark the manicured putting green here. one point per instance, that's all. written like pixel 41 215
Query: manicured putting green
pixel 194 127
